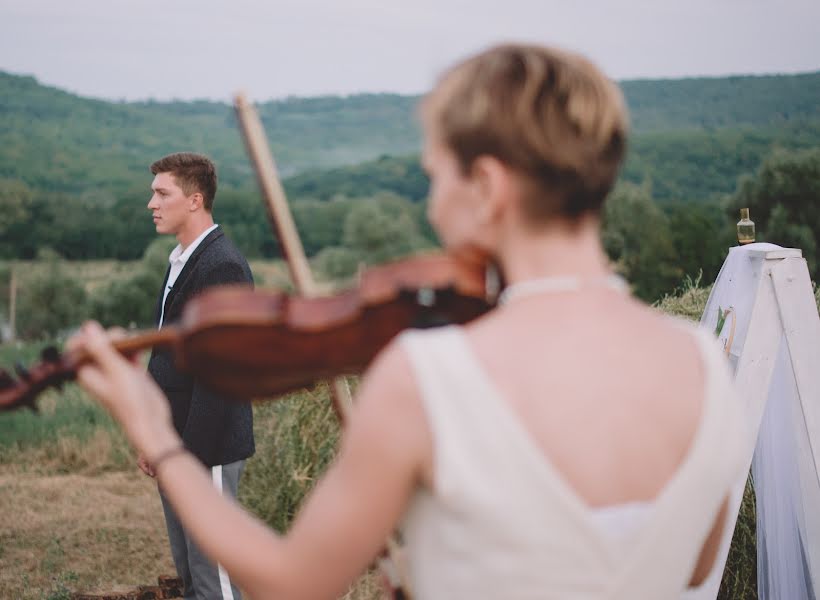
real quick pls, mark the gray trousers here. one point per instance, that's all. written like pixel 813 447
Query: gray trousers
pixel 203 579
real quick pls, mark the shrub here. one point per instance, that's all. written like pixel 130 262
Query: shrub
pixel 132 299
pixel 49 302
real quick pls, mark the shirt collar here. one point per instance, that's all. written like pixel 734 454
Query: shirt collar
pixel 180 257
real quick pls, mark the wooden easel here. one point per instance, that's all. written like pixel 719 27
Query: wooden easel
pixel 770 292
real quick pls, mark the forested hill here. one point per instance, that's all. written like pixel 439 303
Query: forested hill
pixel 707 103
pixel 57 142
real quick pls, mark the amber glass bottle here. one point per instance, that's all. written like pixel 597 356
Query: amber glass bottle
pixel 745 228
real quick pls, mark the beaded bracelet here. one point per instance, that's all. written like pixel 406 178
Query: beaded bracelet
pixel 165 455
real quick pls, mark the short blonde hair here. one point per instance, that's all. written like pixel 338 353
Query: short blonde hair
pixel 549 114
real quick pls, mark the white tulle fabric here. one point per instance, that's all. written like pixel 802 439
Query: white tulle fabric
pixel 786 490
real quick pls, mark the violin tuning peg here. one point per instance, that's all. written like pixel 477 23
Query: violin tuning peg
pixel 50 354
pixel 22 372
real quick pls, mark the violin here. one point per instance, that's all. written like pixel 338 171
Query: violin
pixel 250 344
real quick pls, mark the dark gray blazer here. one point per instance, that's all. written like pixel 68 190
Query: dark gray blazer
pixel 216 429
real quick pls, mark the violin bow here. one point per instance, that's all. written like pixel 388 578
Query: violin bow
pixel 291 248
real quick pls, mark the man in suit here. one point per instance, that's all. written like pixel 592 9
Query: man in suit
pixel 216 429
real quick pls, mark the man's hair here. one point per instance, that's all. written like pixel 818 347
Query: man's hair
pixel 192 173
pixel 548 114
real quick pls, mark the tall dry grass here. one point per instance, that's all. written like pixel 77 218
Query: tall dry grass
pixel 296 439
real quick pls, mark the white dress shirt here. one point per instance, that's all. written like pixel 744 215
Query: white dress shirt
pixel 178 258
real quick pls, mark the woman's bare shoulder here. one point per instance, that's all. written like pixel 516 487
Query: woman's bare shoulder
pixel 389 412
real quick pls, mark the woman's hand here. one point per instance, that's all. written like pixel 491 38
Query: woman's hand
pixel 126 390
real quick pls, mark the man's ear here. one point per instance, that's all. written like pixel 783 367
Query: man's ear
pixel 197 201
pixel 491 179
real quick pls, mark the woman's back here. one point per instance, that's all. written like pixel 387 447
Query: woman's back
pixel 581 369
pixel 552 408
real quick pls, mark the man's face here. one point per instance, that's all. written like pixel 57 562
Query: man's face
pixel 169 205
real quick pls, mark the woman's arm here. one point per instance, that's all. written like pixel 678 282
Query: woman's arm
pixel 708 553
pixel 346 519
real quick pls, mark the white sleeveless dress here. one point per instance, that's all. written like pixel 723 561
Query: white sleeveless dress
pixel 501 523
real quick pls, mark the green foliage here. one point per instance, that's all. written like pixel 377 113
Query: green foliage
pixel 401 175
pixel 15 200
pixel 699 165
pixel 784 231
pixel 79 228
pixel 321 223
pixel 337 262
pixel 656 248
pixel 701 235
pixel 49 302
pixel 636 236
pixel 375 230
pixel 242 215
pixel 784 202
pixel 717 102
pixel 131 300
pixel 381 229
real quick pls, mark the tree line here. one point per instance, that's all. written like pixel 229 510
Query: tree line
pixel 680 171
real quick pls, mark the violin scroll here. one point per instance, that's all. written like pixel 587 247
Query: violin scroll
pixel 52 371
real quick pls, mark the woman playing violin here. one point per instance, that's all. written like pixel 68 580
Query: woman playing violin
pixel 572 443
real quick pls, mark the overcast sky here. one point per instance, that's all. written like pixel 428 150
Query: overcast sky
pixel 163 49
